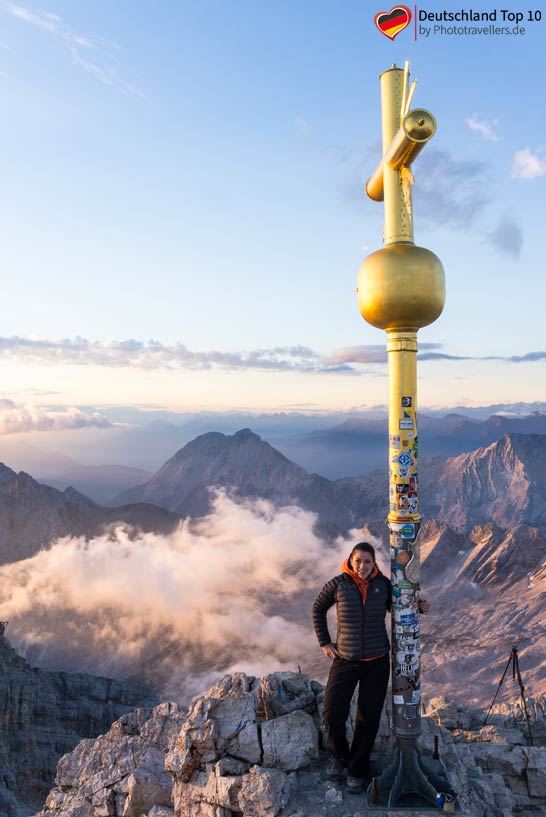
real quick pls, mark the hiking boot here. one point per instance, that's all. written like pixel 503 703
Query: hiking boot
pixel 334 769
pixel 354 784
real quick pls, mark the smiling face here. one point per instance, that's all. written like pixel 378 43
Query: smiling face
pixel 362 563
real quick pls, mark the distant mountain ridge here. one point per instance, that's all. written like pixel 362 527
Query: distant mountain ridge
pixel 243 463
pixel 32 515
pixel 502 482
pixel 359 444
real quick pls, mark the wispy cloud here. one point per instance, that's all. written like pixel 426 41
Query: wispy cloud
pixel 101 66
pixel 508 237
pixel 485 129
pixel 450 192
pixel 17 417
pixel 458 194
pixel 528 165
pixel 366 354
pixel 153 355
pixel 378 355
pixel 303 125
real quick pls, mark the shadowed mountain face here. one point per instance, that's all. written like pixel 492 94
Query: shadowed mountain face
pixel 33 515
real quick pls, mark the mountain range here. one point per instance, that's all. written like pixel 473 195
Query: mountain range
pixel 483 540
pixel 33 515
pixel 333 446
pixel 501 482
pixel 358 445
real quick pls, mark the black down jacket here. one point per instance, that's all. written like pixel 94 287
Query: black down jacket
pixel 361 631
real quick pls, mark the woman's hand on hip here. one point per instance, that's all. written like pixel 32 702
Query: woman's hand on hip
pixel 330 651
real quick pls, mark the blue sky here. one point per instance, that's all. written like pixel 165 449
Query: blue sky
pixel 192 173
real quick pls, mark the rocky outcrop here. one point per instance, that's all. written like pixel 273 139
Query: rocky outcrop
pixel 43 715
pixel 251 747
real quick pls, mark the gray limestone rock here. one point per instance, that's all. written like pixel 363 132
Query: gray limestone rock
pixel 122 772
pixel 290 742
pixel 43 715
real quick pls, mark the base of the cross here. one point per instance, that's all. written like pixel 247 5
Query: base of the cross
pixel 412 781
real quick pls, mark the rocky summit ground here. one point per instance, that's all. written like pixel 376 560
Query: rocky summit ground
pixel 251 747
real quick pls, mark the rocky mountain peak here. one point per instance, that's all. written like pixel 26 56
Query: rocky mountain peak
pixel 6 474
pixel 250 747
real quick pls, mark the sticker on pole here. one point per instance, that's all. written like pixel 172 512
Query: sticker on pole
pixel 407 531
pixel 406 425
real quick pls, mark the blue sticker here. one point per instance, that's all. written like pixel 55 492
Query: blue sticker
pixel 404 458
pixel 407 531
pixel 408 619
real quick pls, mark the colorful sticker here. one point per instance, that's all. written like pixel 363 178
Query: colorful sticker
pixel 404 458
pixel 408 619
pixel 407 531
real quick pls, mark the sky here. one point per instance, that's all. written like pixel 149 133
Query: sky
pixel 182 208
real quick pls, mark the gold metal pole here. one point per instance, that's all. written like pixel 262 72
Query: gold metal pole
pixel 401 289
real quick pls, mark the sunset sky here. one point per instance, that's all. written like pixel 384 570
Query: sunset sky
pixel 183 217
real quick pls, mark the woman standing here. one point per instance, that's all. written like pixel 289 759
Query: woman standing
pixel 362 595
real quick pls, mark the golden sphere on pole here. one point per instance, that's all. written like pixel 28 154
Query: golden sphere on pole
pixel 401 286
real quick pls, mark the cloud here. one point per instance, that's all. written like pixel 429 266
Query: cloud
pixel 303 125
pixel 508 237
pixel 530 357
pixel 77 45
pixel 222 593
pixel 485 129
pixel 456 194
pixel 527 165
pixel 16 418
pixel 368 354
pixel 450 192
pixel 154 355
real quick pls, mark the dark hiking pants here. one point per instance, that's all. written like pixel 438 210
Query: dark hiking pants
pixel 372 677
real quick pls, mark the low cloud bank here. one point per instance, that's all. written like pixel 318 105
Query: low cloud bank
pixel 16 418
pixel 230 591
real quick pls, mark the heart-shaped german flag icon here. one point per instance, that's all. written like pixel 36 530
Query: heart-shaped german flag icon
pixel 390 23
